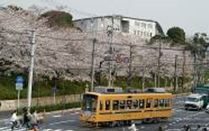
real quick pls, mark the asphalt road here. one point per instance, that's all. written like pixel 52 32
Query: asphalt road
pixel 67 121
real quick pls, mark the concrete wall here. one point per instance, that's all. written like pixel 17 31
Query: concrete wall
pixel 12 104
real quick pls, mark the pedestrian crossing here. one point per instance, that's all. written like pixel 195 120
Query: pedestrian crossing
pixel 8 128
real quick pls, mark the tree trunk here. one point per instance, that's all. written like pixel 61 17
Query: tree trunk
pixel 143 81
pixel 166 82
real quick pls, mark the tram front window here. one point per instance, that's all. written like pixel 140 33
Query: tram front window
pixel 89 103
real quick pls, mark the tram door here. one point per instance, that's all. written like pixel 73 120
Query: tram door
pixel 148 108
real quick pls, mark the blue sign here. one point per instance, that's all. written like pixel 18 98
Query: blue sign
pixel 19 83
pixel 19 79
pixel 54 90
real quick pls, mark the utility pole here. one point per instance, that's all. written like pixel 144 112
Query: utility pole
pixel 183 69
pixel 30 81
pixel 155 80
pixel 92 65
pixel 175 74
pixel 158 70
pixel 130 67
pixel 194 71
pixel 110 35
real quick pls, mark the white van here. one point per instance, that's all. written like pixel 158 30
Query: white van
pixel 194 101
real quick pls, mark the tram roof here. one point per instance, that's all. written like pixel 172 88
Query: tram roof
pixel 127 94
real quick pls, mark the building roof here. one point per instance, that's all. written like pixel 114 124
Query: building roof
pixel 115 16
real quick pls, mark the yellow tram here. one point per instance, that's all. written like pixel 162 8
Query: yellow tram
pixel 100 108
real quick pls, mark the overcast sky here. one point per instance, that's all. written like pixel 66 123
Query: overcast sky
pixel 188 14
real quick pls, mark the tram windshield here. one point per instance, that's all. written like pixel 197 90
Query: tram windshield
pixel 89 103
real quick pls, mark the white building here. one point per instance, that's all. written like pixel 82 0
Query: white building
pixel 126 25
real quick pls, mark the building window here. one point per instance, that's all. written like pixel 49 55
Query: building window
pixel 138 32
pixel 147 34
pixel 150 34
pixel 143 25
pixel 141 33
pixel 144 33
pixel 150 26
pixel 125 26
pixel 135 32
pixel 137 23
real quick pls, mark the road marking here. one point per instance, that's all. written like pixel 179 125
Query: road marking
pixel 173 130
pixel 4 120
pixel 8 128
pixel 61 122
pixel 3 128
pixel 57 116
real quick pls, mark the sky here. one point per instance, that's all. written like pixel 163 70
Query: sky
pixel 191 15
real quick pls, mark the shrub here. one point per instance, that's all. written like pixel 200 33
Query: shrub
pixel 58 19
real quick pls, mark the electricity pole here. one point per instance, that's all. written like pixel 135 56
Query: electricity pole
pixel 92 65
pixel 30 81
pixel 130 67
pixel 194 71
pixel 110 35
pixel 175 74
pixel 158 70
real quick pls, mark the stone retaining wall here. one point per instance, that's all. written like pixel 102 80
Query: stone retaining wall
pixel 12 104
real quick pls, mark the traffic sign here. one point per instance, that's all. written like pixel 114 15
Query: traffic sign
pixel 121 58
pixel 19 79
pixel 19 86
pixel 19 83
pixel 126 60
pixel 54 90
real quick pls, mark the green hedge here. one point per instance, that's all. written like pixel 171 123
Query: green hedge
pixel 43 88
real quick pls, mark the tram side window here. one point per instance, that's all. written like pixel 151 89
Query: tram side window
pixel 115 105
pixel 101 105
pixel 135 104
pixel 122 104
pixel 107 105
pixel 162 103
pixel 156 103
pixel 129 104
pixel 148 103
pixel 141 104
pixel 167 103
